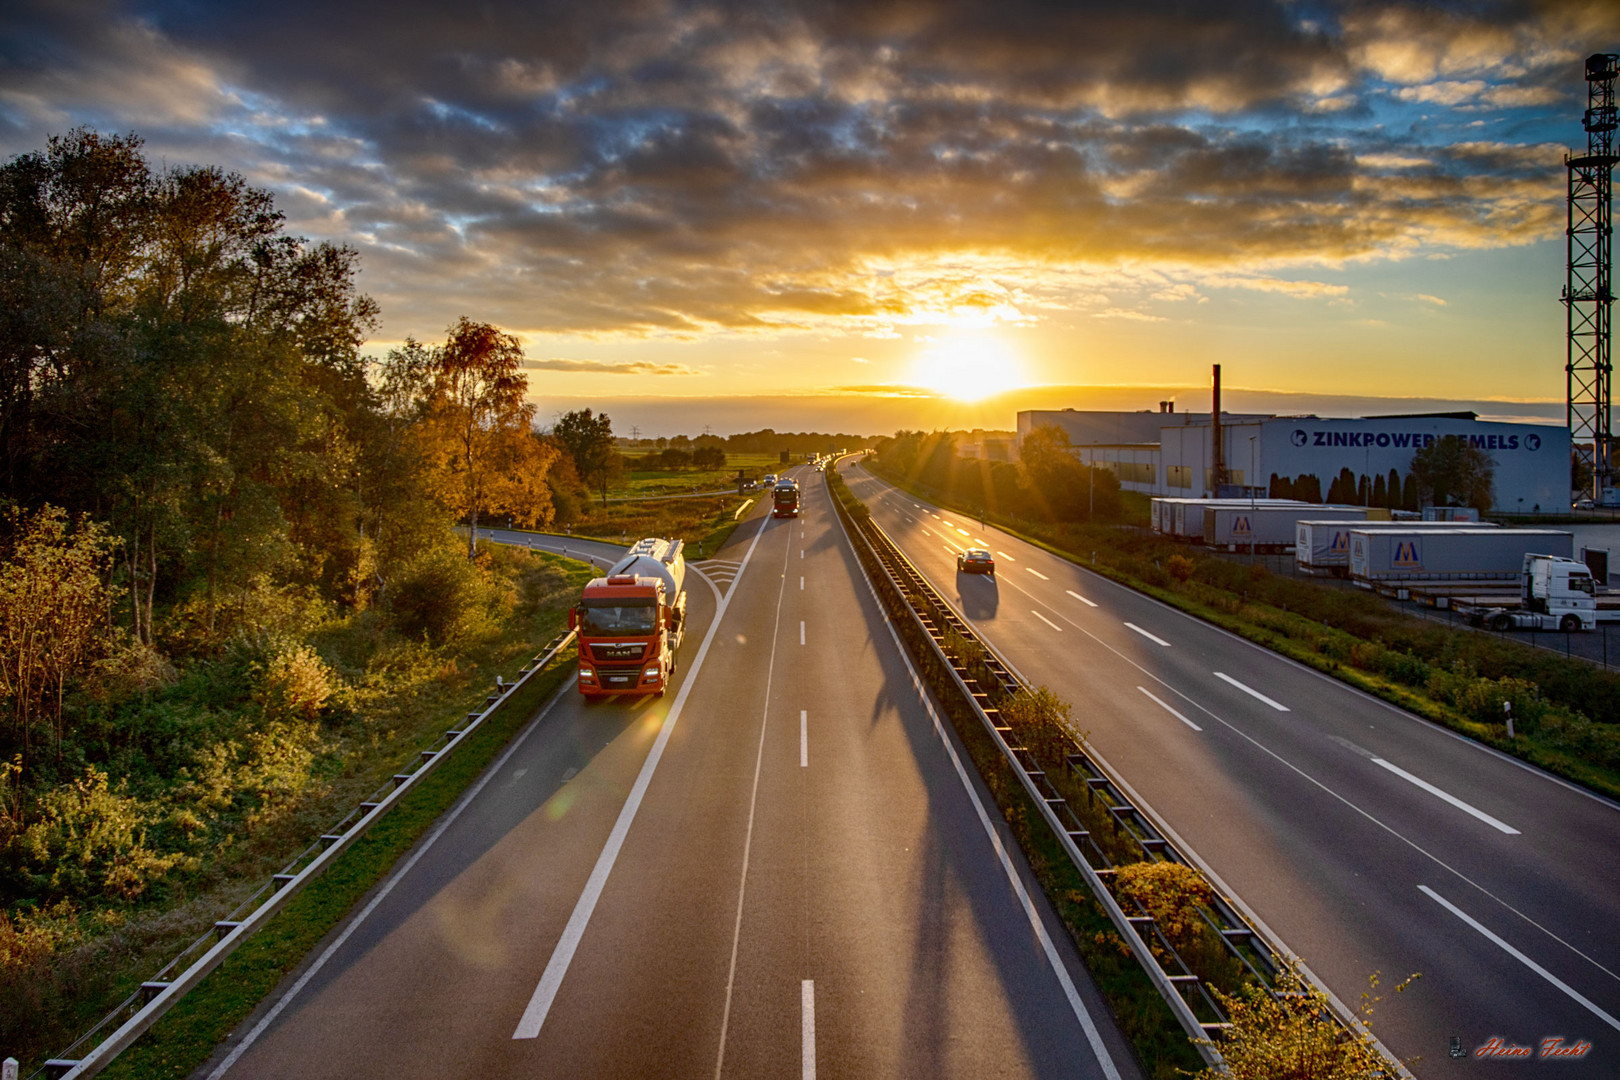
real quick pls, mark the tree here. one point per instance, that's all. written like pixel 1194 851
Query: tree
pixel 709 457
pixel 589 440
pixel 54 612
pixel 1452 471
pixel 481 451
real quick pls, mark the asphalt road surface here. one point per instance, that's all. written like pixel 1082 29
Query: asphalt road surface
pixel 778 869
pixel 1365 838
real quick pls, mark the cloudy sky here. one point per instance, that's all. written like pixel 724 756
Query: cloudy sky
pixel 886 197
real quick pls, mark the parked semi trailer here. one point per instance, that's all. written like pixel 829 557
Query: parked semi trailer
pixel 1395 559
pixel 1323 546
pixel 1555 593
pixel 1268 528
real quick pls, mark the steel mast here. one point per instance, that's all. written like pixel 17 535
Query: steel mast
pixel 1588 290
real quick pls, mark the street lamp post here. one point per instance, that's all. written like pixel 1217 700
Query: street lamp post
pixel 1251 498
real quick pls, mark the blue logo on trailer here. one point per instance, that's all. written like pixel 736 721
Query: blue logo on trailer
pixel 1240 526
pixel 1408 555
pixel 1341 542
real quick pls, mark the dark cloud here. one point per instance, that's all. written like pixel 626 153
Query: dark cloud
pixel 670 167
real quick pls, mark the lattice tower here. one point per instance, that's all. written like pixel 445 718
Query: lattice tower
pixel 1588 291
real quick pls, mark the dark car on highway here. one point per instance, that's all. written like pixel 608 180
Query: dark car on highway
pixel 975 561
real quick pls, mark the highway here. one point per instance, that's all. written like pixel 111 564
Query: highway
pixel 780 868
pixel 1364 838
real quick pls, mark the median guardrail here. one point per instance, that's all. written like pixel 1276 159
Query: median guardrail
pixel 981 678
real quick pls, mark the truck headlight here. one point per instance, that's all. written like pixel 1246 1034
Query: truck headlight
pixel 586 673
pixel 651 673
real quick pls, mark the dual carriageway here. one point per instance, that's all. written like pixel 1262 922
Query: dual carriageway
pixel 786 867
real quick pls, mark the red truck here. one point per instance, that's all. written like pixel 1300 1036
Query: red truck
pixel 785 499
pixel 631 622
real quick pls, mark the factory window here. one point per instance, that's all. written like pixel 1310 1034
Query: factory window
pixel 1134 472
pixel 1178 476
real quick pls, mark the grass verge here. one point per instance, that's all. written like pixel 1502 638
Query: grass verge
pixel 1440 685
pixel 179 1043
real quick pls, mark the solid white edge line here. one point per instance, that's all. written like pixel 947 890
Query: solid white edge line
pixel 1045 620
pixel 1094 1037
pixel 804 739
pixel 1083 600
pixel 1251 691
pixel 807 1027
pixel 1520 957
pixel 1155 638
pixel 534 1015
pixel 1037 573
pixel 1168 709
pixel 1448 797
pixel 394 878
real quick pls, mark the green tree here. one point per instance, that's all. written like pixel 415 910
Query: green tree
pixel 589 441
pixel 1452 471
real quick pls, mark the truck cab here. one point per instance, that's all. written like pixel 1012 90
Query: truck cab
pixel 631 622
pixel 785 499
pixel 1562 589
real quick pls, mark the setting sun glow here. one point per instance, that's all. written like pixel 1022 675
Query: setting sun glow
pixel 969 367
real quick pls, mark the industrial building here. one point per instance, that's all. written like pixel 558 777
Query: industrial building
pixel 1172 453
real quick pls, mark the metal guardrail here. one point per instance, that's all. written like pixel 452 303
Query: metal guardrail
pixel 1260 956
pixel 156 996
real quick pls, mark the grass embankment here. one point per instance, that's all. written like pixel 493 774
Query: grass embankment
pixel 1567 713
pixel 665 506
pixel 204 782
pixel 1140 1011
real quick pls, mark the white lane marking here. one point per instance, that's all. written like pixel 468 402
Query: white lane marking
pixel 964 532
pixel 1037 573
pixel 1165 706
pixel 948 546
pixel 534 1016
pixel 1332 793
pixel 801 583
pixel 1520 957
pixel 801 631
pixel 1045 620
pixel 382 894
pixel 1156 639
pixel 801 553
pixel 1077 1006
pixel 1083 600
pixel 804 739
pixel 807 1027
pixel 916 506
pixel 748 840
pixel 1448 797
pixel 1251 691
pixel 517 774
pixel 1004 555
pixel 925 532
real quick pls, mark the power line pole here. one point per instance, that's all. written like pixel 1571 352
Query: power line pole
pixel 1588 290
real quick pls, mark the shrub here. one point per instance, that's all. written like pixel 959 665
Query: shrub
pixel 1180 567
pixel 88 837
pixel 296 684
pixel 1043 723
pixel 439 596
pixel 1293 1035
pixel 1171 892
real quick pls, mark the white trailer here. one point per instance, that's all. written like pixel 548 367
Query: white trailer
pixel 1267 528
pixel 1402 558
pixel 1323 546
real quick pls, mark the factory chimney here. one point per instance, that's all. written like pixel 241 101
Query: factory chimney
pixel 1218 453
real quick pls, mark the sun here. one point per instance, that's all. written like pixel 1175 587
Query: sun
pixel 969 367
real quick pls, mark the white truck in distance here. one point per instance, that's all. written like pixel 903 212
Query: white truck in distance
pixel 1555 593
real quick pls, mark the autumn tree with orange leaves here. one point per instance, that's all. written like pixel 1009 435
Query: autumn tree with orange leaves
pixel 479 446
